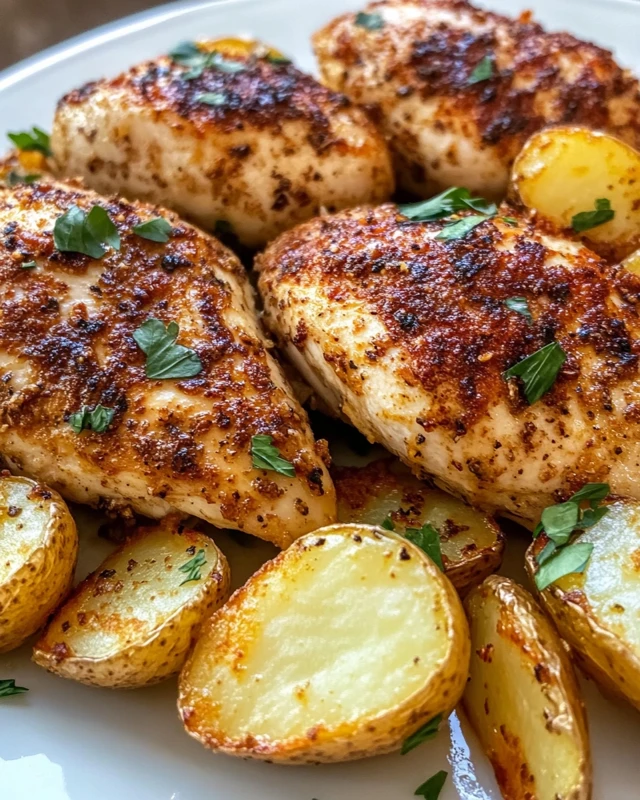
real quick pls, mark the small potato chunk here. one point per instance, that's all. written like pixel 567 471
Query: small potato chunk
pixel 339 648
pixel 132 621
pixel 472 544
pixel 561 172
pixel 598 611
pixel 523 699
pixel 38 552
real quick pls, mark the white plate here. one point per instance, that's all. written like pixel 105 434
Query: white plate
pixel 104 745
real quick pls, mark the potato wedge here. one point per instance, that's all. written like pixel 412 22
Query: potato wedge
pixel 338 648
pixel 561 172
pixel 522 698
pixel 38 552
pixel 598 611
pixel 132 621
pixel 472 544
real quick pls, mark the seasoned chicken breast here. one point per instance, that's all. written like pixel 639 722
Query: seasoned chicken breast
pixel 139 377
pixel 458 89
pixel 242 142
pixel 410 335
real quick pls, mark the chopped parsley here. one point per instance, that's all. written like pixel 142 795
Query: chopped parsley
pixel 427 538
pixel 157 229
pixel 431 788
pixel 97 419
pixel 511 221
pixel 192 568
pixel 460 228
pixel 8 687
pixel 188 54
pixel 77 232
pixel 372 22
pixel 423 734
pixel 14 178
pixel 483 71
pixel 28 265
pixel 35 139
pixel 586 220
pixel 165 358
pixel 212 98
pixel 519 305
pixel 265 455
pixel 387 524
pixel 538 371
pixel 277 60
pixel 446 203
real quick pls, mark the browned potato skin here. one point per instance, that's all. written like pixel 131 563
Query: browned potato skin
pixel 597 651
pixel 140 664
pixel 355 486
pixel 523 622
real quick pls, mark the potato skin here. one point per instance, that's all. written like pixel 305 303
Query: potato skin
pixel 34 590
pixel 367 736
pixel 521 622
pixel 137 663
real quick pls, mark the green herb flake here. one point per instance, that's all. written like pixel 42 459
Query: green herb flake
pixel 511 221
pixel 519 305
pixel 387 524
pixel 446 203
pixel 460 228
pixel 427 538
pixel 35 139
pixel 192 569
pixel 278 61
pixel 186 53
pixel 593 492
pixel 372 22
pixel 8 688
pixel 14 178
pixel 423 734
pixel 265 455
pixel 559 521
pixel 28 265
pixel 157 229
pixel 569 559
pixel 212 98
pixel 538 371
pixel 483 71
pixel 165 358
pixel 431 788
pixel 586 220
pixel 98 419
pixel 77 232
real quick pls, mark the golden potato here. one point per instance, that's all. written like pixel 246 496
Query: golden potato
pixel 133 620
pixel 632 262
pixel 471 542
pixel 339 648
pixel 523 699
pixel 562 172
pixel 598 611
pixel 38 552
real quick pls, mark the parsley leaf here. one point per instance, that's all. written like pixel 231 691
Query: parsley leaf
pixel 559 521
pixel 593 492
pixel 98 419
pixel 165 358
pixel 35 139
pixel 483 71
pixel 460 228
pixel 14 178
pixel 277 60
pixel 212 98
pixel 511 221
pixel 8 687
pixel 446 203
pixel 572 558
pixel 28 265
pixel 192 567
pixel 372 22
pixel 157 229
pixel 387 524
pixel 188 54
pixel 423 734
pixel 519 305
pixel 431 788
pixel 586 220
pixel 265 455
pixel 428 539
pixel 538 371
pixel 77 232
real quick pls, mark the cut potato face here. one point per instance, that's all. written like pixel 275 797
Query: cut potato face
pixel 598 611
pixel 523 699
pixel 561 172
pixel 133 620
pixel 471 542
pixel 38 552
pixel 339 648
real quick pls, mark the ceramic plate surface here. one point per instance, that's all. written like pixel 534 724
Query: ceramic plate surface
pixel 64 741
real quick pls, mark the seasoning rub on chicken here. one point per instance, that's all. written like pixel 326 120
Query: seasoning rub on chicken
pixel 133 372
pixel 458 89
pixel 499 359
pixel 227 134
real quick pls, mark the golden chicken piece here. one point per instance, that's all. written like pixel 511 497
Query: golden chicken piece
pixel 458 89
pixel 243 141
pixel 133 372
pixel 503 362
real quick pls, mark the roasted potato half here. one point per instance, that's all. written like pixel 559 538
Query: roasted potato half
pixel 562 172
pixel 598 611
pixel 133 620
pixel 339 648
pixel 38 552
pixel 522 697
pixel 471 542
